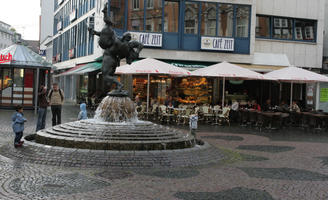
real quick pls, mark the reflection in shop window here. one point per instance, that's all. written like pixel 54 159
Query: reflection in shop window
pixel 117 8
pixel 262 26
pixel 242 21
pixel 154 19
pixel 18 77
pixel 225 20
pixel 304 29
pixel 208 19
pixel 135 18
pixel 6 85
pixel 171 13
pixel 282 28
pixel 191 17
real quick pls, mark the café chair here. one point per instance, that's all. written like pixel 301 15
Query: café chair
pixel 225 115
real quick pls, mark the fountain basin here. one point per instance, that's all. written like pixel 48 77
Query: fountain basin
pixel 98 135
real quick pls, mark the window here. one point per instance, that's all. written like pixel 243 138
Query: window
pixel 282 28
pixel 304 29
pixel 135 17
pixel 242 21
pixel 117 8
pixel 153 19
pixel 191 18
pixel 263 26
pixel 150 3
pixel 136 4
pixel 208 19
pixel 171 13
pixel 225 20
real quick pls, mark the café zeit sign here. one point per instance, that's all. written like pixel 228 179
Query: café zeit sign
pixel 148 39
pixel 217 44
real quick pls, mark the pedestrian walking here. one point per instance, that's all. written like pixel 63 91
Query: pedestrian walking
pixel 83 112
pixel 56 99
pixel 18 121
pixel 43 105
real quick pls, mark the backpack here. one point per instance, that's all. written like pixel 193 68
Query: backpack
pixel 60 92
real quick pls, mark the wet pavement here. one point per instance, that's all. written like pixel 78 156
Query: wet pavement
pixel 291 163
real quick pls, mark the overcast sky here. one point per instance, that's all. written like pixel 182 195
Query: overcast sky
pixel 23 15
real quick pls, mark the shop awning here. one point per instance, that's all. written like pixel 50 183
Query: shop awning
pixel 70 71
pixel 267 62
pixel 81 69
pixel 89 68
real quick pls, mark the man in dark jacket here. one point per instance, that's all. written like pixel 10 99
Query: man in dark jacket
pixel 43 104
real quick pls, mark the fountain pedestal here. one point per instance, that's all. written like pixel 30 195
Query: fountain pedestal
pixel 115 127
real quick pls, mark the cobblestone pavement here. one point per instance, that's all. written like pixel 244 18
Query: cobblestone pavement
pixel 289 164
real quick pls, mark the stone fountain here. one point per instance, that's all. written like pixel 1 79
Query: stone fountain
pixel 115 125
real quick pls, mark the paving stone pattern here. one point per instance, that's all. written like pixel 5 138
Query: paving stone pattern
pixel 279 165
pixel 266 148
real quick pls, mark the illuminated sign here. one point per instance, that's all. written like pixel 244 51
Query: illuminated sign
pixel 5 58
pixel 71 53
pixel 147 39
pixel 217 44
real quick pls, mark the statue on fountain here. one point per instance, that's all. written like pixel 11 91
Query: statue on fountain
pixel 115 49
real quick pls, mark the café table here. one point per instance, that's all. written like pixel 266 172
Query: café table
pixel 272 117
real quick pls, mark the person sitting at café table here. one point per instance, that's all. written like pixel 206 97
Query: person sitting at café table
pixel 283 106
pixel 295 107
pixel 249 105
pixel 267 106
pixel 256 106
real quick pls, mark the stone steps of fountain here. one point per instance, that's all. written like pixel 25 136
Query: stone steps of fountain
pixel 90 134
pixel 116 137
pixel 65 128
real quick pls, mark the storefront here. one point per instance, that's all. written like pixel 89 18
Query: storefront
pixel 21 72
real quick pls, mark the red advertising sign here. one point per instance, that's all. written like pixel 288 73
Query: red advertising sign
pixel 5 58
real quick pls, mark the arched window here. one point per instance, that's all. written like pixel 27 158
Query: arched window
pixel 191 17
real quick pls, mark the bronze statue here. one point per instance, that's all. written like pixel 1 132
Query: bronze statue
pixel 115 49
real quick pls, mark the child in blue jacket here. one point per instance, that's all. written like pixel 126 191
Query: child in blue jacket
pixel 83 112
pixel 18 121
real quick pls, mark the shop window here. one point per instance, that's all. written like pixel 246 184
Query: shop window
pixel 135 17
pixel 117 8
pixel 304 29
pixel 6 86
pixel 225 22
pixel 282 28
pixel 208 19
pixel 153 18
pixel 242 21
pixel 263 26
pixel 191 18
pixel 171 13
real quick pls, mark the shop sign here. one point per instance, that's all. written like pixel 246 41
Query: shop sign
pixel 323 94
pixel 42 52
pixel 72 16
pixel 217 44
pixel 148 39
pixel 71 53
pixel 59 26
pixel 5 58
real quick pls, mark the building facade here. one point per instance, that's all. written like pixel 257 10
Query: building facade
pixel 7 36
pixel 262 35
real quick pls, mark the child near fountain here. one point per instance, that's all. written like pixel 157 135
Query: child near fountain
pixel 83 112
pixel 18 121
